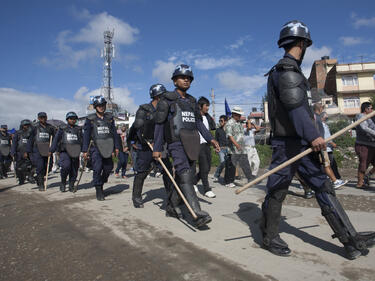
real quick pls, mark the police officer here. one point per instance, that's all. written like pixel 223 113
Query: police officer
pixel 68 141
pixel 177 124
pixel 100 128
pixel 38 145
pixel 293 131
pixel 5 158
pixel 24 166
pixel 142 131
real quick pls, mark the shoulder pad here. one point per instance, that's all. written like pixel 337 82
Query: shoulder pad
pixel 91 116
pixel 191 98
pixel 287 64
pixel 291 94
pixel 139 117
pixel 147 107
pixel 162 110
pixel 63 127
pixel 170 95
pixel 108 115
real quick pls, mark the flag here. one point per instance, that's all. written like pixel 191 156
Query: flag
pixel 227 109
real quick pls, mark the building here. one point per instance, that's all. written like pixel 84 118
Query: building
pixel 342 87
pixel 354 85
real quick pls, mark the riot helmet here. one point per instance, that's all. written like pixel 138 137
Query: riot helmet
pixel 183 70
pixel 157 90
pixel 25 122
pixel 72 115
pixel 293 30
pixel 99 100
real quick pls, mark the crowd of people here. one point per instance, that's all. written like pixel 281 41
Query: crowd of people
pixel 175 126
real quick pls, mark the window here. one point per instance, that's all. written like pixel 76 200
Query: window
pixel 351 102
pixel 350 80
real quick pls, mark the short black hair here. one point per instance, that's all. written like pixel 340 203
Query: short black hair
pixel 365 105
pixel 202 101
pixel 224 117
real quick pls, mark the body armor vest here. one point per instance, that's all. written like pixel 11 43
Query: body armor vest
pixel 102 135
pixel 72 141
pixel 4 144
pixel 183 118
pixel 281 126
pixel 22 140
pixel 42 139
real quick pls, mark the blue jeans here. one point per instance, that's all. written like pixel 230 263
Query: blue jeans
pixel 122 162
pixel 222 153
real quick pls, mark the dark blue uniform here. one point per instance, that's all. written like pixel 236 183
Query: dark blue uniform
pixel 6 159
pixel 24 166
pixel 177 115
pixel 69 165
pixel 140 131
pixel 293 130
pixel 40 135
pixel 101 166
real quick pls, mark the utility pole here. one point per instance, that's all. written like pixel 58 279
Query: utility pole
pixel 213 104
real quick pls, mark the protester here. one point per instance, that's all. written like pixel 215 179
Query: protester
pixel 123 153
pixel 249 143
pixel 221 138
pixel 236 149
pixel 365 143
pixel 204 160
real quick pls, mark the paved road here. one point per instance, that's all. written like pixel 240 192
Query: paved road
pixel 54 236
pixel 45 240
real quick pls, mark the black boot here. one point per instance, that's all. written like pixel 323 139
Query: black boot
pixel 270 221
pixel 137 189
pixel 99 193
pixel 71 186
pixel 186 185
pixel 40 182
pixel 62 185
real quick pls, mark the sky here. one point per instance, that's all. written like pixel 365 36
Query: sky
pixel 50 50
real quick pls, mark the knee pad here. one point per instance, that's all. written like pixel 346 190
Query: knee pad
pixel 279 194
pixel 327 187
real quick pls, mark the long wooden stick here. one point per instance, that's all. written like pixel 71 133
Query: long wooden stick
pixel 304 153
pixel 83 169
pixel 175 184
pixel 48 160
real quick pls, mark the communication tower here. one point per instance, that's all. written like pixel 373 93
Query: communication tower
pixel 108 53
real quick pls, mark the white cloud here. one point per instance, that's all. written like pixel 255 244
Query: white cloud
pixel 163 71
pixel 247 85
pixel 212 63
pixel 351 41
pixel 359 22
pixel 74 47
pixel 93 31
pixel 17 105
pixel 239 42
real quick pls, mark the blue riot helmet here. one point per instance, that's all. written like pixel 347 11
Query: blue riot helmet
pixel 99 100
pixel 72 115
pixel 293 30
pixel 183 70
pixel 25 122
pixel 157 90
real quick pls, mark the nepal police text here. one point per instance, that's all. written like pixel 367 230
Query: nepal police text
pixel 188 116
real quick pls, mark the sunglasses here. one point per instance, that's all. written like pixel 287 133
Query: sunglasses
pixel 221 120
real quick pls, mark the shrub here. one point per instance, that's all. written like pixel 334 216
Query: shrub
pixel 265 153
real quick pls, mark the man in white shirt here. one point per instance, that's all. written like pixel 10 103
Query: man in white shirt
pixel 251 151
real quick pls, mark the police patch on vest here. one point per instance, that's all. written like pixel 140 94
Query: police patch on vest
pixel 103 130
pixel 42 136
pixel 4 142
pixel 188 116
pixel 71 137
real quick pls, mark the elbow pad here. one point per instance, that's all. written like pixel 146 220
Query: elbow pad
pixel 162 110
pixel 139 118
pixel 292 94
